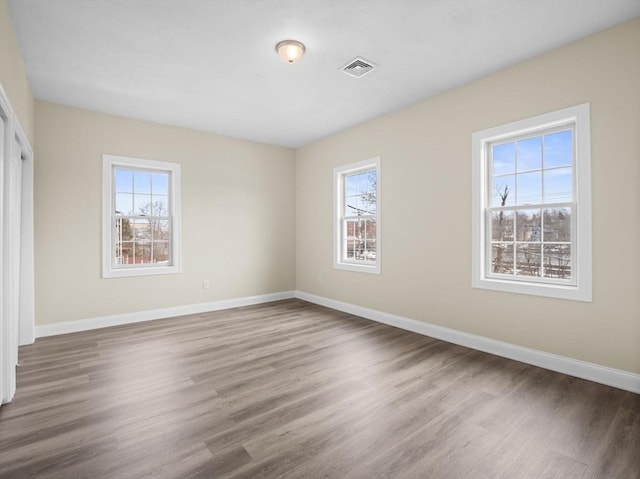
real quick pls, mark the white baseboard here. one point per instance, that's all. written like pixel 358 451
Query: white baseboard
pixel 128 318
pixel 573 367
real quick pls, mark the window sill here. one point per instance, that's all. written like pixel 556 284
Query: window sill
pixel 360 268
pixel 141 271
pixel 574 293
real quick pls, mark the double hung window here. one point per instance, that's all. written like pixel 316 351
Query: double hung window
pixel 357 217
pixel 141 217
pixel 532 230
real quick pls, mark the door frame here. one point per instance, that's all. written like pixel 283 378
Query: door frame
pixel 26 326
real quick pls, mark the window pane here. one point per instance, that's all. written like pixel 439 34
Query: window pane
pixel 159 205
pixel 123 229
pixel 351 188
pixel 369 253
pixel 558 185
pixel 557 224
pixel 363 183
pixel 361 205
pixel 528 259
pixel 160 183
pixel 159 229
pixel 141 182
pixel 351 249
pixel 351 239
pixel 124 204
pixel 367 196
pixel 530 154
pixel 502 226
pixel 142 253
pixel 123 245
pixel 502 258
pixel 351 228
pixel 142 204
pixel 360 229
pixel 504 191
pixel 372 181
pixel 558 149
pixel 504 159
pixel 557 261
pixel 124 253
pixel 123 180
pixel 351 206
pixel 529 188
pixel 369 246
pixel 528 225
pixel 160 252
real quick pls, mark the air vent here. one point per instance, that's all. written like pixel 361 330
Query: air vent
pixel 358 67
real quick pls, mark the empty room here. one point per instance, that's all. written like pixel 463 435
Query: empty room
pixel 320 239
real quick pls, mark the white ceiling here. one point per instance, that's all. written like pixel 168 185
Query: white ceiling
pixel 211 65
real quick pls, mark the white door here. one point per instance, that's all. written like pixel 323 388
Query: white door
pixel 11 263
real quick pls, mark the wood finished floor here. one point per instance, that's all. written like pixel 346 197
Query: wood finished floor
pixel 294 390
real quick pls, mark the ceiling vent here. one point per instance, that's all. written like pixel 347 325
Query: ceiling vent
pixel 358 67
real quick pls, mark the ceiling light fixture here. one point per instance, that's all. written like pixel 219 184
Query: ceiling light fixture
pixel 290 51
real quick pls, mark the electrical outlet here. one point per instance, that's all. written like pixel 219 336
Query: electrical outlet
pixel 205 284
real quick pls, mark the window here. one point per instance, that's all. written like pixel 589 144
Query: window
pixel 357 216
pixel 141 217
pixel 532 206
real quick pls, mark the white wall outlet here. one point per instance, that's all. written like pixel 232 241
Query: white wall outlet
pixel 205 284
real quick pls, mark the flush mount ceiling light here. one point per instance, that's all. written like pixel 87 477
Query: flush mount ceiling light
pixel 290 51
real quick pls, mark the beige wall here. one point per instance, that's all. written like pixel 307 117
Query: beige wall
pixel 13 77
pixel 426 205
pixel 238 212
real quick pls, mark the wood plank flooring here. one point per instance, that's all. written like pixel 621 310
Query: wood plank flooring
pixel 294 390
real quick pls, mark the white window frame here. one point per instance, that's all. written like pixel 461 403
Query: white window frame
pixel 339 173
pixel 580 286
pixel 109 162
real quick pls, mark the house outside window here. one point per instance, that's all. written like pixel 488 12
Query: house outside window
pixel 141 217
pixel 357 216
pixel 532 206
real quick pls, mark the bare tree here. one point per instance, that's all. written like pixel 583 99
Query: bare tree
pixel 504 194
